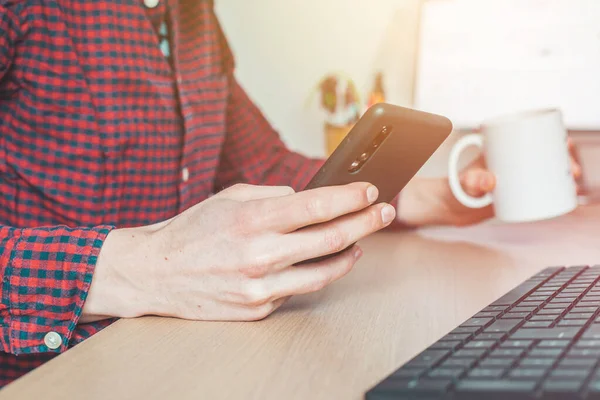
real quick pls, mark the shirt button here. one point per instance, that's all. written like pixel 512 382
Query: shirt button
pixel 52 340
pixel 185 174
pixel 151 3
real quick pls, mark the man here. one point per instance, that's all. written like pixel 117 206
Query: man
pixel 118 121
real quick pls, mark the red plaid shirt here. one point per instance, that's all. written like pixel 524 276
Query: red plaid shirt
pixel 99 130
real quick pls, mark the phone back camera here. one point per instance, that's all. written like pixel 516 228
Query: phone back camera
pixel 357 164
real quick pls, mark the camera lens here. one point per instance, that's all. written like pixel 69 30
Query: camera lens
pixel 354 166
pixel 364 156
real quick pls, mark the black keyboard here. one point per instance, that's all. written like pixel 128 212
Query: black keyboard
pixel 539 341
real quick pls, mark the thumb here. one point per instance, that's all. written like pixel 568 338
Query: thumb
pixel 477 181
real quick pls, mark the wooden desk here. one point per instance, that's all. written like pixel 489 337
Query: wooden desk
pixel 409 289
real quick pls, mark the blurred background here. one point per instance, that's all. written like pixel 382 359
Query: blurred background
pixel 467 59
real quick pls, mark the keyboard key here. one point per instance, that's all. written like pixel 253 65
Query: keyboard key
pixel 516 294
pixel 493 362
pixel 550 333
pixel 490 336
pixel 575 374
pixel 453 373
pixel 537 362
pixel 479 344
pixel 408 373
pixel 578 315
pixel 564 297
pixel 556 306
pixel 427 358
pixel 533 304
pixel 527 309
pixel 580 363
pixel 470 329
pixel 495 389
pixel 503 326
pixel 573 322
pixel 515 315
pixel 587 343
pixel 549 353
pixel 552 288
pixel 450 345
pixel 546 293
pixel 537 324
pixel 561 386
pixel 507 353
pixel 593 332
pixel 470 353
pixel 478 322
pixel 537 298
pixel 492 314
pixel 536 318
pixel 554 343
pixel 456 336
pixel 466 363
pixel 584 309
pixel 486 373
pixel 495 308
pixel 516 343
pixel 526 373
pixel 563 300
pixel 577 352
pixel 572 291
pixel 594 389
pixel 550 311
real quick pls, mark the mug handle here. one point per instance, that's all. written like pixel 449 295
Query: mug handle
pixel 453 173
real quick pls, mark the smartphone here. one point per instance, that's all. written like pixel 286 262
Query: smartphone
pixel 386 147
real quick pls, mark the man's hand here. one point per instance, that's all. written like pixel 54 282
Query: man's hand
pixel 232 256
pixel 429 201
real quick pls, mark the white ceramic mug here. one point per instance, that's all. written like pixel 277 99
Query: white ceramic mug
pixel 528 153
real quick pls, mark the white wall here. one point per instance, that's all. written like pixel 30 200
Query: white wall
pixel 283 48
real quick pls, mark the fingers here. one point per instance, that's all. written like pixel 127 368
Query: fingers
pixel 261 297
pixel 243 192
pixel 575 169
pixel 331 237
pixel 241 312
pixel 477 181
pixel 311 277
pixel 289 213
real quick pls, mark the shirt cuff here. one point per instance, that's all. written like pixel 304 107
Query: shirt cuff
pixel 46 281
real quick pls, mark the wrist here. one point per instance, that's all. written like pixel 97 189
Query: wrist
pixel 421 203
pixel 120 282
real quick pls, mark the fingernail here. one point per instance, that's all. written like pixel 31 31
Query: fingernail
pixel 388 213
pixel 358 253
pixel 372 194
